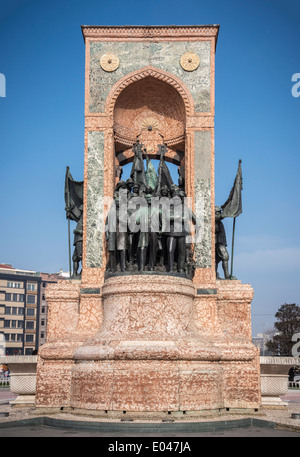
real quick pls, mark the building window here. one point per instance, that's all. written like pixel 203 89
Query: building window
pixel 31 286
pixel 30 312
pixel 20 324
pixel 16 285
pixel 21 311
pixel 20 337
pixel 31 299
pixel 30 325
pixel 43 309
pixel 21 297
pixel 14 324
pixel 6 324
pixel 7 297
pixel 14 310
pixel 29 338
pixel 7 309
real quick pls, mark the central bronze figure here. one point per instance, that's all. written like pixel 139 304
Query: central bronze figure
pixel 148 228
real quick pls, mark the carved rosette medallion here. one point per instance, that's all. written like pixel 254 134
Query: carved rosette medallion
pixel 189 61
pixel 150 123
pixel 109 62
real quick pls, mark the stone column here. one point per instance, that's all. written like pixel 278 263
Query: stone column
pixel 203 197
pixel 56 355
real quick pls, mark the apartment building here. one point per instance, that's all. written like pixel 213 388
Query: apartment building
pixel 24 309
pixel 19 309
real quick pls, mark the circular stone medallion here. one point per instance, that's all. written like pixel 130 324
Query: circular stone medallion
pixel 109 62
pixel 189 61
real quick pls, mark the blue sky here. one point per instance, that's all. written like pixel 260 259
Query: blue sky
pixel 257 120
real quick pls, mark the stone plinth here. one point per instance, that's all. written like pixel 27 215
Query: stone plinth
pixel 23 378
pixel 138 360
pixel 147 317
pixel 72 318
pixel 150 355
pixel 273 386
pixel 274 380
pixel 154 343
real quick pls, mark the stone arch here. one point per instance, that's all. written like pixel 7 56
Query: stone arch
pixel 144 95
pixel 154 72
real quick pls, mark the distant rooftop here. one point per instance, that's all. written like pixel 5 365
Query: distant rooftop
pixel 6 266
pixel 9 269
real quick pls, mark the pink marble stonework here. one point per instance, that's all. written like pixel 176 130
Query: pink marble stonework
pixel 160 347
pixel 148 343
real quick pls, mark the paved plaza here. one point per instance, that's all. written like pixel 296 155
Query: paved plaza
pixel 268 423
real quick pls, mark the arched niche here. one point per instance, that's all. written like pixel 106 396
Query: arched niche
pixel 152 106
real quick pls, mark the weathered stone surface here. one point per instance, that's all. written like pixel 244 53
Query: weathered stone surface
pixel 153 352
pixel 162 55
pixel 202 147
pixel 160 347
pixel 95 223
pixel 63 301
pixel 54 382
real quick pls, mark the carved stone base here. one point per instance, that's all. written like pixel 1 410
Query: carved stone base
pixel 272 387
pixel 23 378
pixel 163 345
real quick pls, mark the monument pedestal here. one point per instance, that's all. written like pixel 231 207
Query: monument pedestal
pixel 155 350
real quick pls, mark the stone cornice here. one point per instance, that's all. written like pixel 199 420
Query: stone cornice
pixel 150 32
pixel 280 360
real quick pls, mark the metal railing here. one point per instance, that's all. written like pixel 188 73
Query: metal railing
pixel 294 384
pixel 4 380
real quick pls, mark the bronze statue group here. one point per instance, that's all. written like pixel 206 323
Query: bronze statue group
pixel 150 227
pixel 149 232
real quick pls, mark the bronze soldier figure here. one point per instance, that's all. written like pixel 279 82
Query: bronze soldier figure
pixel 78 238
pixel 221 243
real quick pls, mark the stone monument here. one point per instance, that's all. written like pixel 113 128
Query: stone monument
pixel 148 326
